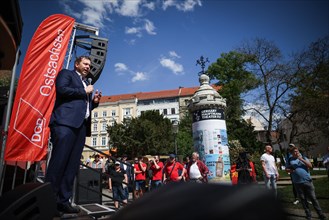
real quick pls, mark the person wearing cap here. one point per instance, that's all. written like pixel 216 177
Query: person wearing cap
pixel 173 171
pixel 296 201
pixel 299 166
pixel 270 171
pixel 126 166
pixel 117 180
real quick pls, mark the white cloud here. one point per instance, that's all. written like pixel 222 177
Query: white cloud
pixel 149 5
pixel 139 76
pixel 120 67
pixel 129 8
pixel 187 5
pixel 173 54
pixel 132 30
pixel 168 3
pixel 93 17
pixel 176 68
pixel 149 27
pixel 89 12
pixel 97 12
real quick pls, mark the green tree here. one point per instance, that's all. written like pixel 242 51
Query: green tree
pixel 275 77
pixel 235 80
pixel 150 133
pixel 309 113
pixel 184 136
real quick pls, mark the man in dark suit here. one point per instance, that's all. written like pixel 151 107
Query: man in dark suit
pixel 70 124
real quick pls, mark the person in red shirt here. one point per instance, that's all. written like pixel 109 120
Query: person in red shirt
pixel 140 177
pixel 156 166
pixel 171 171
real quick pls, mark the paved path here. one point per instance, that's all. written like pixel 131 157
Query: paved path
pixel 299 214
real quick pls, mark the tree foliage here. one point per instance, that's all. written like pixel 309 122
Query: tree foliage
pixel 293 88
pixel 275 77
pixel 230 71
pixel 150 133
pixel 309 112
pixel 184 136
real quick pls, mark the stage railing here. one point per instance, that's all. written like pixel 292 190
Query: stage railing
pixel 19 173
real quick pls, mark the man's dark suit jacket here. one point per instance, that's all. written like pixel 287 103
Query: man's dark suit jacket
pixel 70 106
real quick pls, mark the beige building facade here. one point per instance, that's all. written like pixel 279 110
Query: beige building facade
pixel 172 104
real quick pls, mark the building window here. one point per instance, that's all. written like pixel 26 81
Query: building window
pixel 104 113
pixel 113 113
pixel 173 111
pixel 94 141
pixel 103 141
pixel 104 125
pixel 126 111
pixel 95 114
pixel 95 127
pixel 157 111
pixel 112 123
pixel 165 112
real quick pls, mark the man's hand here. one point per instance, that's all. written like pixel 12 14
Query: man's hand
pixel 267 176
pixel 89 89
pixel 97 96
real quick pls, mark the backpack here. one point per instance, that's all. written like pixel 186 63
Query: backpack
pixel 149 174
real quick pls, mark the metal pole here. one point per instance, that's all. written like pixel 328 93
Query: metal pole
pixel 71 47
pixel 9 104
pixel 176 144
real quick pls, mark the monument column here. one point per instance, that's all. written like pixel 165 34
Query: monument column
pixel 209 129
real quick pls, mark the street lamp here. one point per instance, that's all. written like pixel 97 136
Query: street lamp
pixel 175 131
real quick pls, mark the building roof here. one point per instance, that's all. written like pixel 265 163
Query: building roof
pixel 172 93
pixel 116 98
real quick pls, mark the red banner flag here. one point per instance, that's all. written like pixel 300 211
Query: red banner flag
pixel 28 132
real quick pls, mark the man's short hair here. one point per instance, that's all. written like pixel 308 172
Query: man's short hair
pixel 78 59
pixel 291 149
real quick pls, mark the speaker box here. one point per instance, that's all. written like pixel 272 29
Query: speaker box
pixel 100 43
pixel 97 57
pixel 98 53
pixel 28 201
pixel 89 187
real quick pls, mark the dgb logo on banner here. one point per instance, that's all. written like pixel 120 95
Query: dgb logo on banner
pixel 35 135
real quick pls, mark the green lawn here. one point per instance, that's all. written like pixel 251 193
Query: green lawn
pixel 321 185
pixel 284 174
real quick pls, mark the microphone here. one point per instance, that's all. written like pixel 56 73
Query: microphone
pixel 89 81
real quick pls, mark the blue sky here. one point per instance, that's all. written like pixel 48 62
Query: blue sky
pixel 154 45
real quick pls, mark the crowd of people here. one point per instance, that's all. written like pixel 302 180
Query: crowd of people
pixel 146 174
